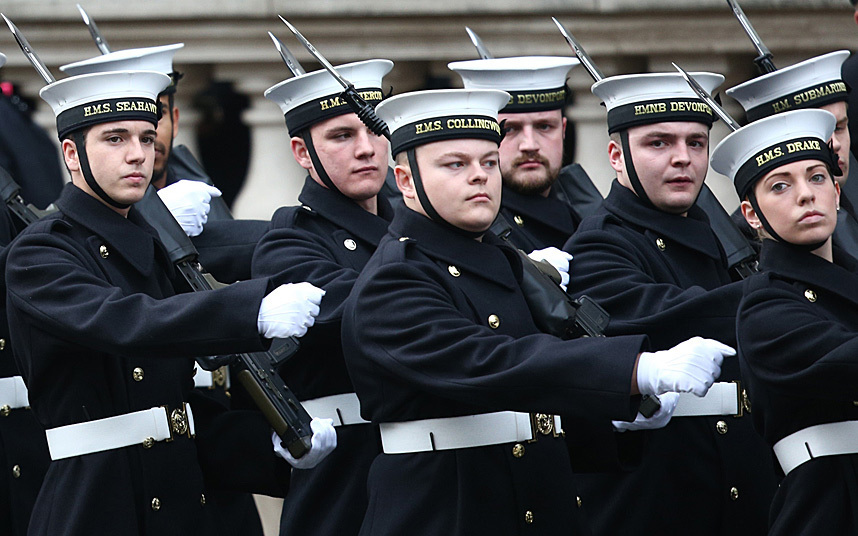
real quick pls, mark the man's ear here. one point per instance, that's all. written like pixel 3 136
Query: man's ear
pixel 615 157
pixel 300 152
pixel 70 155
pixel 175 121
pixel 405 181
pixel 563 128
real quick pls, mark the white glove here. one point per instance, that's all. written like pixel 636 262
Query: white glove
pixel 289 310
pixel 659 420
pixel 690 366
pixel 323 443
pixel 189 203
pixel 556 258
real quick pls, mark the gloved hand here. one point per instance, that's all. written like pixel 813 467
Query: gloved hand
pixel 659 420
pixel 189 203
pixel 289 310
pixel 323 443
pixel 690 366
pixel 556 258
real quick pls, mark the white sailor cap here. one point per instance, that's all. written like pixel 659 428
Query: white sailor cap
pixel 810 84
pixel 423 117
pixel 313 97
pixel 643 99
pixel 535 83
pixel 89 99
pixel 158 59
pixel 749 153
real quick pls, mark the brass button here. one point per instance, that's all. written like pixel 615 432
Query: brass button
pixel 578 501
pixel 734 493
pixel 518 450
pixel 494 321
pixel 810 295
pixel 528 517
pixel 156 504
pixel 137 374
pixel 660 244
pixel 5 410
pixel 518 220
pixel 454 271
pixel 16 471
pixel 203 499
pixel 102 250
pixel 2 344
pixel 721 427
pixel 404 239
pixel 544 423
pixel 148 442
pixel 350 244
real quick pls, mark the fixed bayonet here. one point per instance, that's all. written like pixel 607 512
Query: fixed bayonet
pixel 288 58
pixel 764 60
pixel 28 51
pixel 478 43
pixel 583 57
pixel 362 109
pixel 707 98
pixel 99 39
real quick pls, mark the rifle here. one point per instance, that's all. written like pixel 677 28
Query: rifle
pixel 10 194
pixel 257 371
pixel 764 60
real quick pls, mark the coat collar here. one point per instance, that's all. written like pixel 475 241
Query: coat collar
pixel 839 278
pixel 345 213
pixel 489 259
pixel 549 210
pixel 692 231
pixel 132 238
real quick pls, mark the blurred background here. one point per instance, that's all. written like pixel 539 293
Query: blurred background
pixel 228 61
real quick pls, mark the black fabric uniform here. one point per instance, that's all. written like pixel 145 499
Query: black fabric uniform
pixel 798 357
pixel 91 298
pixel 23 450
pixel 422 347
pixel 326 241
pixel 671 293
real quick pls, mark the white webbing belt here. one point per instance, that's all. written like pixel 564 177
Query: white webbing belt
pixel 457 432
pixel 343 409
pixel 830 439
pixel 112 432
pixel 13 393
pixel 722 399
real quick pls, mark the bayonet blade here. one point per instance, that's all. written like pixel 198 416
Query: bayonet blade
pixel 764 61
pixel 478 43
pixel 707 98
pixel 99 39
pixel 28 51
pixel 585 58
pixel 321 59
pixel 288 58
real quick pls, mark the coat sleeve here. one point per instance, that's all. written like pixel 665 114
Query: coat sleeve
pixel 51 282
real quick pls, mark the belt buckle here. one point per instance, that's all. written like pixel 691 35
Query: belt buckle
pixel 218 377
pixel 178 422
pixel 543 424
pixel 742 400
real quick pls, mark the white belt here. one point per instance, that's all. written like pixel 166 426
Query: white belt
pixel 829 439
pixel 723 398
pixel 137 428
pixel 342 409
pixel 13 393
pixel 465 432
pixel 205 379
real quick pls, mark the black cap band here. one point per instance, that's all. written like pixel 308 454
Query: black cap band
pixel 445 128
pixel 105 111
pixel 779 154
pixel 658 111
pixel 309 113
pixel 810 97
pixel 536 100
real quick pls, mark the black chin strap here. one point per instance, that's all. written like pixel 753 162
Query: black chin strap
pixel 424 199
pixel 752 197
pixel 317 164
pixel 78 138
pixel 630 170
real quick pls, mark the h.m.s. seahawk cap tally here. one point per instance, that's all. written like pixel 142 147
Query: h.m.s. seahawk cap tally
pixel 642 99
pixel 313 97
pixel 535 83
pixel 809 84
pixel 158 59
pixel 751 152
pixel 424 117
pixel 85 100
